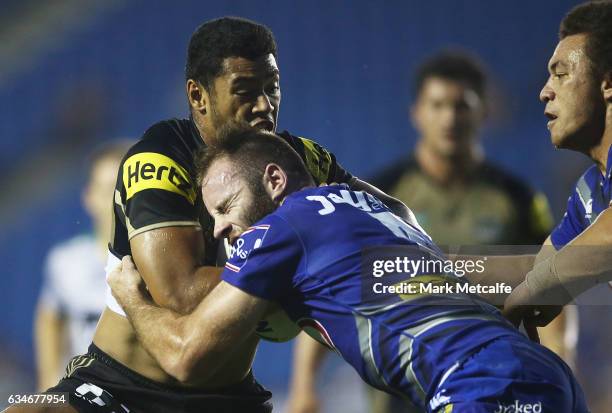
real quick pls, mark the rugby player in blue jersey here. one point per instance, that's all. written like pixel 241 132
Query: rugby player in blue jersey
pixel 578 98
pixel 301 248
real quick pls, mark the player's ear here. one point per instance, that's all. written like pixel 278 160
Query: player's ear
pixel 606 87
pixel 275 181
pixel 198 96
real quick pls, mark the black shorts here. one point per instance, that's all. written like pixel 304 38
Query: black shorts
pixel 96 383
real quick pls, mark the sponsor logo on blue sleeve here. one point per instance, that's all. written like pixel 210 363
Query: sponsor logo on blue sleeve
pixel 250 240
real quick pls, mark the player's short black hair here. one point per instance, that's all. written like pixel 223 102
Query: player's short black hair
pixel 221 38
pixel 455 66
pixel 251 150
pixel 595 20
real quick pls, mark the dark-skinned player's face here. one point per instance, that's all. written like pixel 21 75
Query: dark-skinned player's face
pixel 574 104
pixel 245 91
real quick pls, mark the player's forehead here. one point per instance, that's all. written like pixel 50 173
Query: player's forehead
pixel 569 53
pixel 443 89
pixel 221 181
pixel 237 68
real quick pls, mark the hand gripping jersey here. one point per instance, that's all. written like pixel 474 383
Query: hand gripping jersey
pixel 313 256
pixel 593 194
pixel 156 187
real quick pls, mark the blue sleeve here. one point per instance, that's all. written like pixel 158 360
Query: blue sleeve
pixel 265 259
pixel 572 223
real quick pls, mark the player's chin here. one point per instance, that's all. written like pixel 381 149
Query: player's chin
pixel 560 141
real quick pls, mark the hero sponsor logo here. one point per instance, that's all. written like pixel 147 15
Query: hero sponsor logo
pixel 150 170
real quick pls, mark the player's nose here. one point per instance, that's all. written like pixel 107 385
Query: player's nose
pixel 547 93
pixel 263 104
pixel 222 229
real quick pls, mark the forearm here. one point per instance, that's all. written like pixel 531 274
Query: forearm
pixel 508 269
pixel 195 346
pixel 570 272
pixel 160 330
pixel 580 265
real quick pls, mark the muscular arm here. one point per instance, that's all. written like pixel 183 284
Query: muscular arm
pixel 510 269
pixel 170 260
pixel 560 277
pixel 182 344
pixel 507 269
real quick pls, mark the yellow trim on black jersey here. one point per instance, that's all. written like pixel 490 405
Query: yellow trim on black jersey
pixel 76 363
pixel 318 160
pixel 133 233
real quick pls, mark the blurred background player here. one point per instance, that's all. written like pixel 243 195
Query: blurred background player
pixel 458 196
pixel 72 295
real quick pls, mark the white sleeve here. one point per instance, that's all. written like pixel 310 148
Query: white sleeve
pixel 49 293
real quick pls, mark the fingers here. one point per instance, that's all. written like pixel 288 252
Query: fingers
pixel 127 262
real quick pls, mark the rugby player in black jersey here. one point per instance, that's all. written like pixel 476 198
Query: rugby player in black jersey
pixel 159 219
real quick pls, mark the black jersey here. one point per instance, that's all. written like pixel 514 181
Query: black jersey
pixel 156 185
pixel 491 207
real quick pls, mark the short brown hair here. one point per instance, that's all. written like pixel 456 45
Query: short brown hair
pixel 595 20
pixel 252 150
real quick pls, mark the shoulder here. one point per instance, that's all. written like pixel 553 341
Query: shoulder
pixel 589 178
pixel 387 176
pixel 308 148
pixel 166 137
pixel 583 189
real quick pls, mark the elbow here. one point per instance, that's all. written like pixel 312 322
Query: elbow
pixel 181 372
pixel 184 364
pixel 181 304
pixel 181 364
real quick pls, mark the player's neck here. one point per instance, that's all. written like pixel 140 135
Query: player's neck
pixel 446 169
pixel 197 121
pixel 599 153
